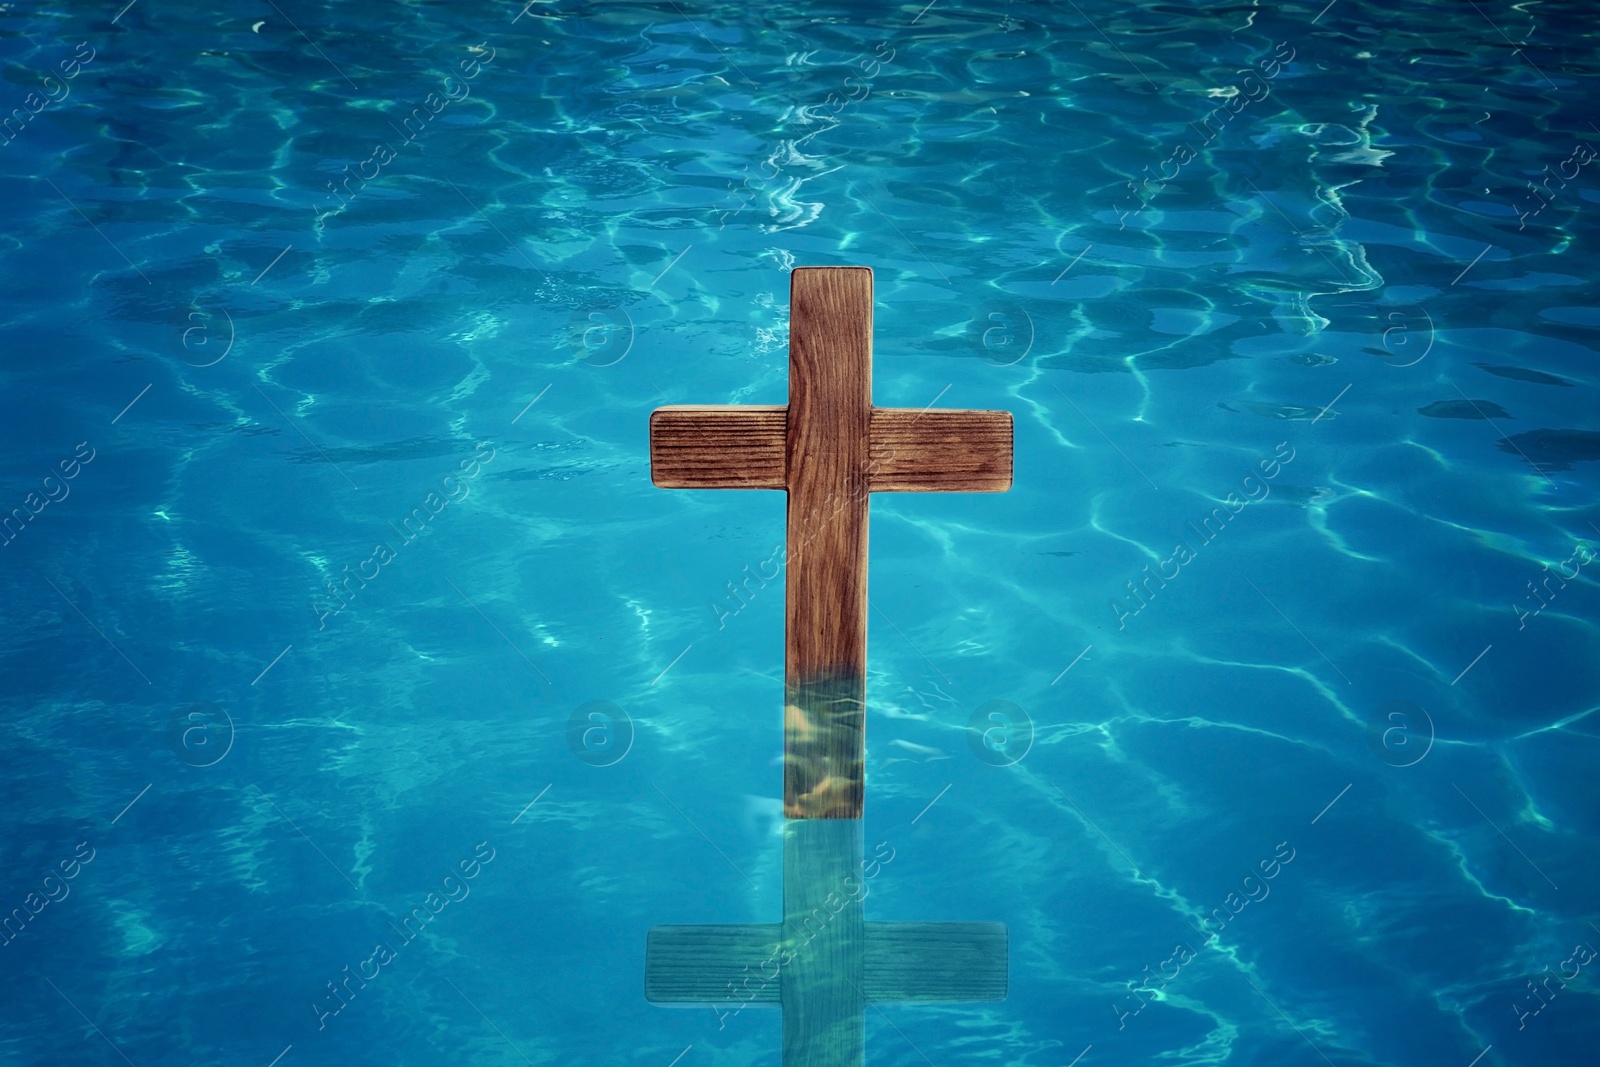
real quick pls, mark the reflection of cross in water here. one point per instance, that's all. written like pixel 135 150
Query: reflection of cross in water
pixel 829 448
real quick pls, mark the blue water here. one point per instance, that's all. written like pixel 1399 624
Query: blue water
pixel 1293 305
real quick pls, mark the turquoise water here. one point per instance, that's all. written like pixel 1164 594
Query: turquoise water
pixel 332 333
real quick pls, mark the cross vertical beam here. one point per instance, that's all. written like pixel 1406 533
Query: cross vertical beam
pixel 827 443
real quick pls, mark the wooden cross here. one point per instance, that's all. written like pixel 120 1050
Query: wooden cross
pixel 829 448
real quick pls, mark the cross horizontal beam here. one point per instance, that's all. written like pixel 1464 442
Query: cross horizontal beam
pixel 910 450
pixel 705 446
pixel 902 961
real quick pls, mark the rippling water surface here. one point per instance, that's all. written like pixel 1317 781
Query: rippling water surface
pixel 332 332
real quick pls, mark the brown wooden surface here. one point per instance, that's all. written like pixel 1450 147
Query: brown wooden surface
pixel 910 450
pixel 940 450
pixel 707 446
pixel 825 636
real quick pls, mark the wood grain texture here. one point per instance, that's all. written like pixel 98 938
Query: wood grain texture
pixel 825 636
pixel 704 446
pixel 940 450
